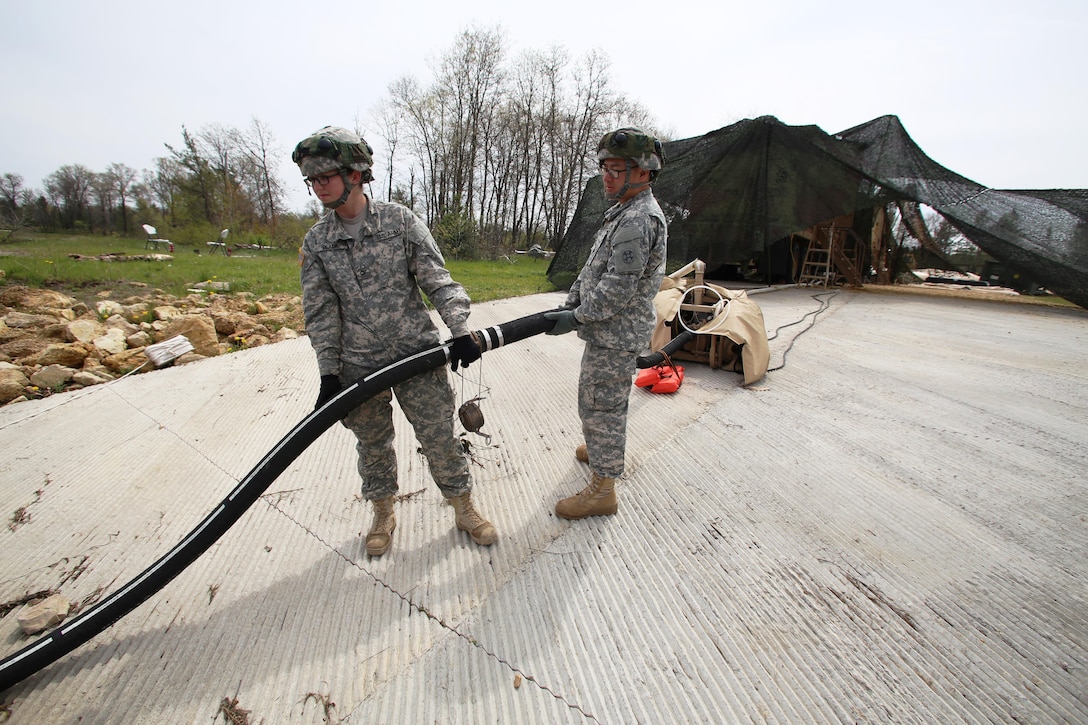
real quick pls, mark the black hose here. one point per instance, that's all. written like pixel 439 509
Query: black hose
pixel 62 640
pixel 656 358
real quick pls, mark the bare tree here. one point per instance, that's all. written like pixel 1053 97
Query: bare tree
pixel 445 127
pixel 13 217
pixel 11 187
pixel 511 145
pixel 122 178
pixel 421 112
pixel 388 120
pixel 164 185
pixel 221 146
pixel 103 189
pixel 592 113
pixel 557 113
pixel 521 127
pixel 69 187
pixel 198 181
pixel 472 72
pixel 550 125
pixel 258 146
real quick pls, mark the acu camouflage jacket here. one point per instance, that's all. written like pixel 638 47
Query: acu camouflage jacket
pixel 613 294
pixel 362 300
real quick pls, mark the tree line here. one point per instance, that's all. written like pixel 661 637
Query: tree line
pixel 217 177
pixel 496 151
pixel 492 152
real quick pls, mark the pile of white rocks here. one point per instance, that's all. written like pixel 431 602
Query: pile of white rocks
pixel 51 342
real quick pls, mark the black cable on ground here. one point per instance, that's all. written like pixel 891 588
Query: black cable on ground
pixel 824 305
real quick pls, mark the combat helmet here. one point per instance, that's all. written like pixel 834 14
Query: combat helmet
pixel 633 145
pixel 332 148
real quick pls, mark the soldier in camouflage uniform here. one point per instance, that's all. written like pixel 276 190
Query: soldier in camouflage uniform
pixel 364 266
pixel 611 306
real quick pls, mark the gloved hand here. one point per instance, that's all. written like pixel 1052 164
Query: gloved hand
pixel 330 386
pixel 463 351
pixel 565 321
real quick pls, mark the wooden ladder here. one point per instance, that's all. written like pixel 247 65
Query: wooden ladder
pixel 831 257
pixel 816 269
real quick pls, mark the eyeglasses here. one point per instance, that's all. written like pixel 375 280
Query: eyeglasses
pixel 320 180
pixel 612 171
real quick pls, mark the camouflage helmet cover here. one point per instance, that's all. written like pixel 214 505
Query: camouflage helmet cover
pixel 331 148
pixel 632 144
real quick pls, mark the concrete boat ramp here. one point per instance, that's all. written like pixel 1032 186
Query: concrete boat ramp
pixel 890 528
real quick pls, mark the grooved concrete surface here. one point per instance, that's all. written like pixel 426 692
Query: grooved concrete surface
pixel 892 528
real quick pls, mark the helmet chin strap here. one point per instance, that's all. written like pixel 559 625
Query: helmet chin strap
pixel 345 175
pixel 627 186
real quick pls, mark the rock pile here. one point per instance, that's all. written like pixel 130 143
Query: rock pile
pixel 51 342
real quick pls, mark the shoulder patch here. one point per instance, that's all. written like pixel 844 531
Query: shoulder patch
pixel 627 256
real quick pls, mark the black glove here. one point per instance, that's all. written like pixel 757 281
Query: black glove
pixel 330 386
pixel 565 321
pixel 463 351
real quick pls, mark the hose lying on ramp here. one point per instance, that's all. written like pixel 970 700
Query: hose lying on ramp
pixel 62 640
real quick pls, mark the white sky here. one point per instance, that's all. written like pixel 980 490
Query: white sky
pixel 995 91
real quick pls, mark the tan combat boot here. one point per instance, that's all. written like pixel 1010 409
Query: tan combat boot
pixel 596 499
pixel 470 520
pixel 381 530
pixel 582 453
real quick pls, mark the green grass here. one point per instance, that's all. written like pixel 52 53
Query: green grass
pixel 46 260
pixel 522 275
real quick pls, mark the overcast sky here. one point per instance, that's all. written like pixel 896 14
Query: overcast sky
pixel 995 91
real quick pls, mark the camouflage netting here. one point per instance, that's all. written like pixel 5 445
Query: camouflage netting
pixel 734 194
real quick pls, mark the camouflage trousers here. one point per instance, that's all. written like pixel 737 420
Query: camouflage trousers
pixel 604 392
pixel 428 403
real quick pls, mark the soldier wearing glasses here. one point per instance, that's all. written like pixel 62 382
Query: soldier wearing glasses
pixel 611 306
pixel 365 264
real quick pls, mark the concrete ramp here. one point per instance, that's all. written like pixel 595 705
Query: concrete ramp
pixel 893 527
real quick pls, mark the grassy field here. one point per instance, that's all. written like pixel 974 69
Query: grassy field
pixel 70 263
pixel 54 261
